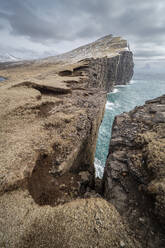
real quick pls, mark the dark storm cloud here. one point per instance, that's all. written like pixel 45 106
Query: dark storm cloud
pixel 24 21
pixel 142 22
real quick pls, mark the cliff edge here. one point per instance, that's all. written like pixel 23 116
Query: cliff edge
pixel 134 177
pixel 50 113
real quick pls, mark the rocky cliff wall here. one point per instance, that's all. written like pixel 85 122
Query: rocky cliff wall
pixel 108 72
pixel 79 87
pixel 134 177
pixel 105 72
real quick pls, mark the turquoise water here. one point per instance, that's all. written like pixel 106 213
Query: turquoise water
pixel 123 99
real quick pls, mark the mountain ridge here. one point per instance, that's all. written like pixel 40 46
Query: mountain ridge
pixel 108 45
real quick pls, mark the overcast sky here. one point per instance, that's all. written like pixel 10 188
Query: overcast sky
pixel 54 26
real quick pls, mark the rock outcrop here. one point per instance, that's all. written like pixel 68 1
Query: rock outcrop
pixel 50 113
pixel 134 177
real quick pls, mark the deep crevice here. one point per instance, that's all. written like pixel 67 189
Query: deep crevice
pixel 47 189
pixel 47 186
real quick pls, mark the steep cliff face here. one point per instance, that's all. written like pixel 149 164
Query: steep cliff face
pixel 63 90
pixel 107 62
pixel 108 72
pixel 49 129
pixel 134 177
pixel 124 68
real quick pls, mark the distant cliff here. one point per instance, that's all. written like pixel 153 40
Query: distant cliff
pixel 108 72
pixel 107 62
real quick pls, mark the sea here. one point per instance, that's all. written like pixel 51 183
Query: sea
pixel 123 99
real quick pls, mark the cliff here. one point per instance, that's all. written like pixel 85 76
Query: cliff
pixel 134 177
pixel 108 60
pixel 50 114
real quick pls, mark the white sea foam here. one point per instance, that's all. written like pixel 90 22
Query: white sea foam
pixel 99 168
pixel 121 85
pixel 109 105
pixel 133 81
pixel 114 91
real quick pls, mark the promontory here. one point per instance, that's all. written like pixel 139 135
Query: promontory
pixel 50 113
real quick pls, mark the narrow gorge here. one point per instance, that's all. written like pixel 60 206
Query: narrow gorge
pixel 51 111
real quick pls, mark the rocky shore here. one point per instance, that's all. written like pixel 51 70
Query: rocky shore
pixel 134 177
pixel 50 114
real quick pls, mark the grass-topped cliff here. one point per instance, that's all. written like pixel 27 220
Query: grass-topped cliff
pixel 50 113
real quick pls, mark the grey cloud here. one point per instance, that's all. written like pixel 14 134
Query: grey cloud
pixel 62 20
pixel 146 54
pixel 23 21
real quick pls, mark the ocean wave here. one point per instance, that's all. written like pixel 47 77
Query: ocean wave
pixel 99 168
pixel 109 105
pixel 121 85
pixel 114 91
pixel 133 81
